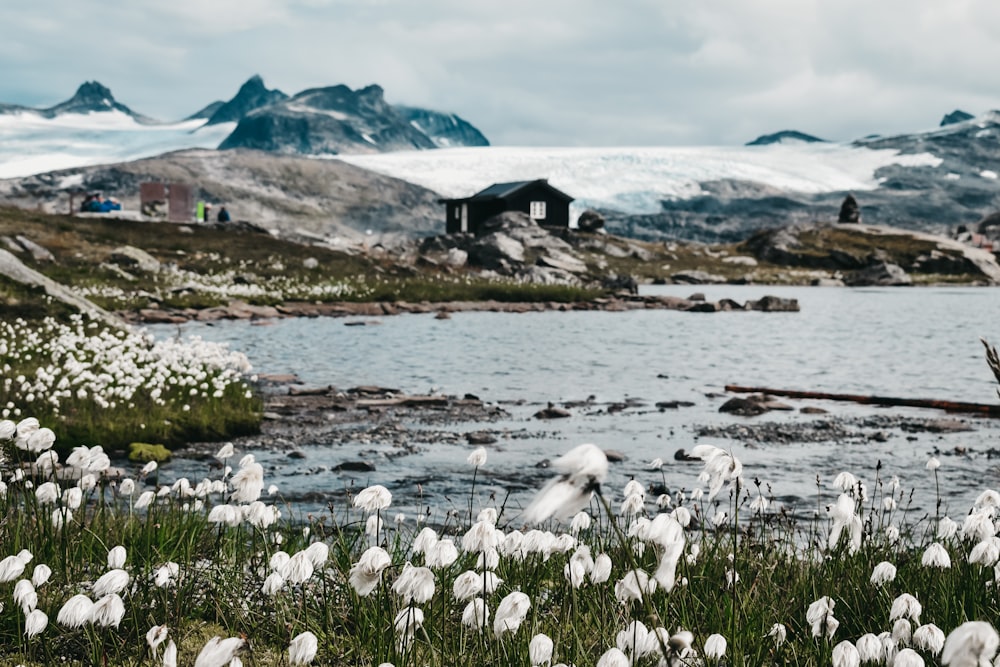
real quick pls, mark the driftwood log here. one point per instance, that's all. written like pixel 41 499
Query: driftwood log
pixel 949 406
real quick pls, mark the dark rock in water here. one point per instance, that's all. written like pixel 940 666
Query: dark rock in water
pixel 552 412
pixel 354 466
pixel 849 210
pixel 811 410
pixel 296 454
pixel 681 455
pixel 774 304
pixel 743 406
pixel 480 438
pixel 703 307
pixel 697 296
pixel 590 221
pixel 673 405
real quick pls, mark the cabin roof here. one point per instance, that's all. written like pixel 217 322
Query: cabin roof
pixel 504 190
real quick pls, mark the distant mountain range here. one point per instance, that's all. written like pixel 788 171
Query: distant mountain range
pixel 936 180
pixel 318 121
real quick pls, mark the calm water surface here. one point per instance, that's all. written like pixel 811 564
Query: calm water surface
pixel 921 343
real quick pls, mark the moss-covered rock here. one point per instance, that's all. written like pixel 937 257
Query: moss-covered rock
pixel 143 452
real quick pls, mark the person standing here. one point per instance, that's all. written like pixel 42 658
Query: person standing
pixel 223 215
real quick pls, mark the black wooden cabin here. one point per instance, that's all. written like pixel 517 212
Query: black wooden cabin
pixel 545 204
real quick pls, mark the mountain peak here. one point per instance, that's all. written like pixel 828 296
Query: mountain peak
pixel 784 136
pixel 252 95
pixel 90 97
pixel 956 116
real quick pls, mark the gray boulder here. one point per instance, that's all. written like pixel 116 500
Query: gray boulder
pixel 696 277
pixel 496 251
pixel 880 273
pixel 590 221
pixel 135 258
pixel 38 253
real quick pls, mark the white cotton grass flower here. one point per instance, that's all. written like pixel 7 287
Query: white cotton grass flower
pixel 843 514
pixel 127 487
pixel 148 469
pixel 929 637
pixel 406 623
pixel 907 657
pixel 145 499
pixel 820 617
pixel 634 585
pixel 488 514
pixel 540 650
pixel 373 499
pixel 414 584
pixel 947 528
pixel 374 525
pixel 845 654
pixel 933 463
pixel 170 654
pixel 299 568
pixel 35 623
pixel 317 553
pixel 715 647
pixel 901 632
pixel 510 613
pixel 426 538
pixel 906 606
pixel 972 644
pixel 870 648
pixel 366 574
pixel 602 569
pixel 41 574
pixel 248 482
pixel 935 555
pixel 720 467
pixel 779 633
pixel 8 429
pixel 442 554
pixel 476 614
pixel 227 451
pixel 108 611
pixel 156 636
pixel 11 568
pixel 218 651
pixel 273 583
pixel 481 536
pixel 25 595
pixel 581 521
pixel 581 471
pixel 477 458
pixel 116 557
pixel 883 573
pixel 76 612
pixel 47 493
pixel 985 553
pixel 302 649
pixel 613 657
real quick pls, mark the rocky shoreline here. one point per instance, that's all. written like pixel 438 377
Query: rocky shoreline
pixel 240 310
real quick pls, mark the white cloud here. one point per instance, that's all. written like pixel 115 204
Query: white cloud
pixel 564 72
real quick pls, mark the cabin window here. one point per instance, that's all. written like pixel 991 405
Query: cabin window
pixel 537 210
pixel 458 212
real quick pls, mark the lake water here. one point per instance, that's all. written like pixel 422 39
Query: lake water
pixel 904 342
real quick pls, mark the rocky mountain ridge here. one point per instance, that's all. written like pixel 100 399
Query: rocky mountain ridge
pixel 318 121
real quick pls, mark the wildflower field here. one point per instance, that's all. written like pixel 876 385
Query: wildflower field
pixel 97 568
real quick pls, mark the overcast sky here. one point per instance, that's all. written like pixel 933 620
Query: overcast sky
pixel 538 72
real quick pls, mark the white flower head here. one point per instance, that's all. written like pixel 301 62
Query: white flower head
pixel 540 650
pixel 971 644
pixel 883 572
pixel 373 498
pixel 302 649
pixel 581 472
pixel 510 613
pixel 477 458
